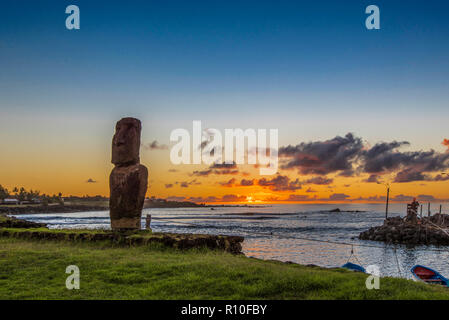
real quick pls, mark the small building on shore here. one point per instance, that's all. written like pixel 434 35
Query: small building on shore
pixel 11 201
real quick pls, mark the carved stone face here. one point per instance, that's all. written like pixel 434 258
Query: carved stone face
pixel 126 142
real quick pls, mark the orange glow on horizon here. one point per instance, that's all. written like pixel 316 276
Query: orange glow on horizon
pixel 70 170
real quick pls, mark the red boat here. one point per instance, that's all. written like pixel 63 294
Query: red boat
pixel 428 275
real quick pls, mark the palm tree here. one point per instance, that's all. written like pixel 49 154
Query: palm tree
pixel 3 193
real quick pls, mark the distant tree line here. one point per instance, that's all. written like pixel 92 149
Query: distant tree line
pixel 86 198
pixel 23 195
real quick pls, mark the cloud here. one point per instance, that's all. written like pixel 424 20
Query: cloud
pixel 172 170
pixel 409 175
pixel 410 166
pixel 338 197
pixel 383 157
pixel 233 198
pixel 246 182
pixel 226 171
pixel 174 198
pixel 224 165
pixel 225 198
pixel 347 173
pixel 425 197
pixel 299 197
pixel 441 177
pixel 186 184
pixel 155 146
pixel 201 173
pixel 303 197
pixel 169 185
pixel 323 157
pixel 203 199
pixel 90 180
pixel 280 183
pixel 372 199
pixel 229 183
pixel 310 190
pixel 347 156
pixel 319 181
pixel 402 198
pixel 233 183
pixel 219 169
pixel 373 178
pixel 205 173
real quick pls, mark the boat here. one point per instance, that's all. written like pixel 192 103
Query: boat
pixel 354 267
pixel 428 275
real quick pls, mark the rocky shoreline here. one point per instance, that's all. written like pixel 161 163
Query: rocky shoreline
pixel 87 208
pixel 433 230
pixel 50 209
pixel 11 222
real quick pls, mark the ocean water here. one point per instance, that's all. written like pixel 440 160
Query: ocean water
pixel 285 232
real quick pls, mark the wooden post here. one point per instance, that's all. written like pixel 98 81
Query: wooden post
pixel 428 210
pixel 386 208
pixel 421 212
pixel 440 208
pixel 148 222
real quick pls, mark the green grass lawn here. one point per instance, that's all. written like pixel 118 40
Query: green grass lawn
pixel 32 269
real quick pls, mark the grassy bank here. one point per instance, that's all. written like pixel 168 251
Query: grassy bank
pixel 184 241
pixel 32 269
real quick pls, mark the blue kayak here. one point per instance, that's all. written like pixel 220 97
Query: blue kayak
pixel 428 275
pixel 354 267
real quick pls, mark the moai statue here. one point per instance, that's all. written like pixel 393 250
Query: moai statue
pixel 128 180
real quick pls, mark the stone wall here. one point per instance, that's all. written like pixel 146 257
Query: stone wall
pixel 231 244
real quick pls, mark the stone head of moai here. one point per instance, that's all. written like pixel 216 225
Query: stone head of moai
pixel 126 142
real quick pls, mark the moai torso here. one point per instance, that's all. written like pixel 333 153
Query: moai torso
pixel 128 180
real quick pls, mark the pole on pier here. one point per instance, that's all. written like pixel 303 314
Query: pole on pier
pixel 386 208
pixel 440 208
pixel 428 210
pixel 421 212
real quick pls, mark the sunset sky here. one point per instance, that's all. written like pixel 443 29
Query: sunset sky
pixel 359 108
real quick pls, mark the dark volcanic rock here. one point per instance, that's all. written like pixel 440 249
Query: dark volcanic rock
pixel 128 180
pixel 11 222
pixel 405 231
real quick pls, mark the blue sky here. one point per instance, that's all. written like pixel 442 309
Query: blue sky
pixel 291 64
